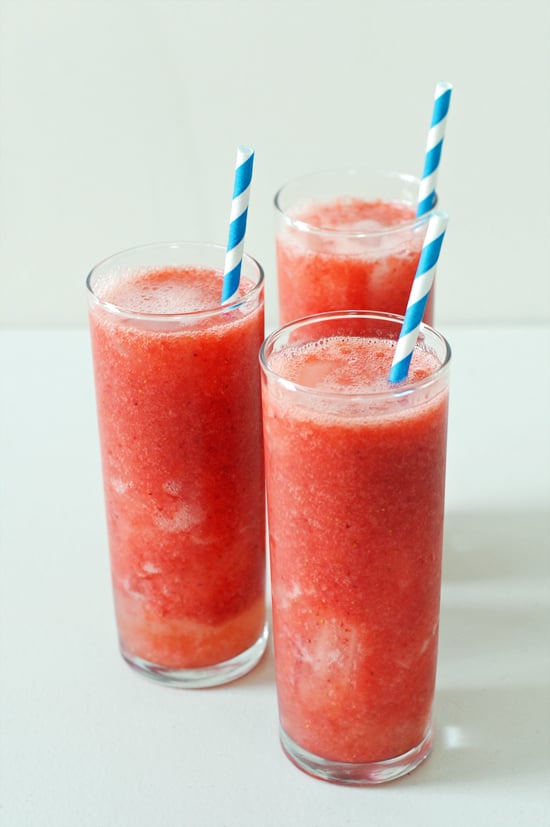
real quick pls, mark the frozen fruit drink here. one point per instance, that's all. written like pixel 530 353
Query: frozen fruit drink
pixel 355 472
pixel 178 397
pixel 347 240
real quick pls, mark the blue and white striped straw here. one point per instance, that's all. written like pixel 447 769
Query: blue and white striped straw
pixel 237 222
pixel 426 193
pixel 422 284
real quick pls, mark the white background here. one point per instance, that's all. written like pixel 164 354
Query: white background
pixel 119 121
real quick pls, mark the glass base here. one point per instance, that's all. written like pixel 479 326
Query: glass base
pixel 204 676
pixel 356 774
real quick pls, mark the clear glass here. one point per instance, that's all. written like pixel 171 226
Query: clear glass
pixel 355 477
pixel 348 240
pixel 179 411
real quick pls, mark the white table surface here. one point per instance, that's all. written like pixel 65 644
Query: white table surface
pixel 86 742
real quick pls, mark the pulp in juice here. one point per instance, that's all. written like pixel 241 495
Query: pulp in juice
pixel 355 509
pixel 348 254
pixel 179 416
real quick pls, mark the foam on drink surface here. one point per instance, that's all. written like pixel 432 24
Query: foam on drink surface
pixel 167 291
pixel 351 226
pixel 354 215
pixel 346 364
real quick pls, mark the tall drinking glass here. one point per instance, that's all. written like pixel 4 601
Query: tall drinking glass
pixel 348 240
pixel 355 473
pixel 178 399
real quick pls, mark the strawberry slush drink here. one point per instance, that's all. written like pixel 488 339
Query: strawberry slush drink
pixel 178 395
pixel 347 241
pixel 355 473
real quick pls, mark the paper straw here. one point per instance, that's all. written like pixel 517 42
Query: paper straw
pixel 237 222
pixel 426 193
pixel 422 284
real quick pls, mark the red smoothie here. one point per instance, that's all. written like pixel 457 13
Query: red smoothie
pixel 355 481
pixel 180 426
pixel 348 254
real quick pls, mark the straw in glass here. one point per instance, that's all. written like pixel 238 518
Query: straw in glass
pixel 237 222
pixel 422 284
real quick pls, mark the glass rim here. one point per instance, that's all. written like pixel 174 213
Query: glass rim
pixel 401 389
pixel 208 312
pixel 305 227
